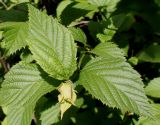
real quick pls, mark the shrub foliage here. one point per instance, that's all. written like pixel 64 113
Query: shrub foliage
pixel 79 62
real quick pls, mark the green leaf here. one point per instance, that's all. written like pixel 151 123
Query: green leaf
pixel 157 2
pixel 108 49
pixel 153 88
pixel 122 21
pixel 12 15
pixel 78 35
pixel 70 11
pixel 116 84
pixel 14 37
pixel 97 27
pixel 104 30
pixel 150 121
pixel 111 4
pixel 1 35
pixel 26 56
pixel 61 7
pixel 51 115
pixel 19 115
pixel 107 36
pixel 52 45
pixel 133 60
pixel 150 54
pixel 23 86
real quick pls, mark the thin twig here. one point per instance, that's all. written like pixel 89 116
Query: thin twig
pixel 4 65
pixel 6 7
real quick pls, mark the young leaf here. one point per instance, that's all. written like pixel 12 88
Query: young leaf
pixel 78 35
pixel 51 115
pixel 153 88
pixel 69 11
pixel 108 49
pixel 115 83
pixel 97 27
pixel 61 7
pixel 52 45
pixel 14 37
pixel 107 36
pixel 23 86
pixel 111 4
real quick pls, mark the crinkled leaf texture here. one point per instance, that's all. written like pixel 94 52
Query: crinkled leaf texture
pixel 108 49
pixel 111 4
pixel 15 36
pixel 113 81
pixel 51 115
pixel 52 45
pixel 150 121
pixel 153 88
pixel 103 2
pixel 23 86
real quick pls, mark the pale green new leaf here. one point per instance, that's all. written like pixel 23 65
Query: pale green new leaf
pixel 51 115
pixel 51 44
pixel 103 2
pixel 111 4
pixel 153 88
pixel 61 7
pixel 116 84
pixel 15 36
pixel 78 35
pixel 108 49
pixel 107 36
pixel 69 11
pixel 23 86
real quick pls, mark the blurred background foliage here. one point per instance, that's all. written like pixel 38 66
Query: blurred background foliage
pixel 134 25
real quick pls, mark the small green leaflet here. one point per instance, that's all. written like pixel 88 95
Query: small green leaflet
pixel 116 84
pixel 52 45
pixel 15 36
pixel 23 86
pixel 153 88
pixel 108 49
pixel 111 4
pixel 78 35
pixel 69 11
